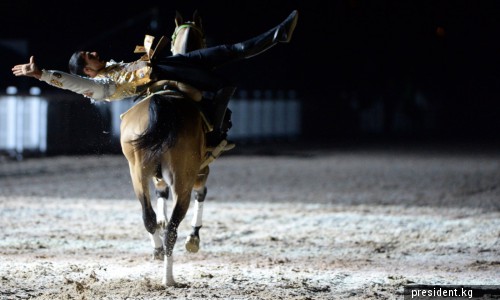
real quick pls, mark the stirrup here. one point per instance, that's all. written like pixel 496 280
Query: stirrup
pixel 227 146
pixel 214 153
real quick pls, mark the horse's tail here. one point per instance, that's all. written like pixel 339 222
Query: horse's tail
pixel 161 133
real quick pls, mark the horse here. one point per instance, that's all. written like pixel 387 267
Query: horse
pixel 187 36
pixel 163 139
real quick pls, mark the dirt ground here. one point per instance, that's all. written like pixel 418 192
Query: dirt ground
pixel 315 224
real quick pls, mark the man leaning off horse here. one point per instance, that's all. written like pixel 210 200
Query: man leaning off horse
pixel 98 79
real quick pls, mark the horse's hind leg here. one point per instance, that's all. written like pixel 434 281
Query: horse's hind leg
pixel 140 182
pixel 162 190
pixel 192 243
pixel 141 189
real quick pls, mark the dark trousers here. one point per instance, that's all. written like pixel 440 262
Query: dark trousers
pixel 197 67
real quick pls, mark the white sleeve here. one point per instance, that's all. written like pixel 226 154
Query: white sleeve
pixel 98 89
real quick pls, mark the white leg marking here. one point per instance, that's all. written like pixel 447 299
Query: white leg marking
pixel 168 277
pixel 156 241
pixel 198 214
pixel 161 208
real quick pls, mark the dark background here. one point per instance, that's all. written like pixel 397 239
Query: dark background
pixel 433 64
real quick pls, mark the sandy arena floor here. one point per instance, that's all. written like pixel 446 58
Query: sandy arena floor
pixel 307 225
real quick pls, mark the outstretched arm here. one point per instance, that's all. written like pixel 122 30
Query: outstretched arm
pixel 30 69
pixel 98 89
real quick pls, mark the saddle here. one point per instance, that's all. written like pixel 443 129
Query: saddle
pixel 175 89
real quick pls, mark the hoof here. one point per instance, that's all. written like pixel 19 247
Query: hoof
pixel 170 283
pixel 158 253
pixel 175 284
pixel 192 244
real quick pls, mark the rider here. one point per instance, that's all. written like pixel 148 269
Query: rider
pixel 109 80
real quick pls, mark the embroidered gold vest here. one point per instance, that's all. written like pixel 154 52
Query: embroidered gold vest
pixel 130 78
pixel 127 77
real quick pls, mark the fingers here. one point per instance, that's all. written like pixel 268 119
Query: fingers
pixel 24 69
pixel 21 70
pixel 17 70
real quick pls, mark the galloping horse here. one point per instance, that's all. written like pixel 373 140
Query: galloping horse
pixel 163 139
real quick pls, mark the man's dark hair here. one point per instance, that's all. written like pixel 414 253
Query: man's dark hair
pixel 77 63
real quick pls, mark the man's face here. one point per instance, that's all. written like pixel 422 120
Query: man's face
pixel 93 64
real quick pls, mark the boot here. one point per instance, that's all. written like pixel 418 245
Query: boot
pixel 279 34
pixel 219 134
pixel 221 100
pixel 284 31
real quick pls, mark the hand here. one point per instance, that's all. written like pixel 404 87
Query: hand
pixel 30 69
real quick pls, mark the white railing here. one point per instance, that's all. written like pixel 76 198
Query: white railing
pixel 24 120
pixel 261 115
pixel 23 124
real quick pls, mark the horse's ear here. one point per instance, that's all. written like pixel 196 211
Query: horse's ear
pixel 178 19
pixel 197 19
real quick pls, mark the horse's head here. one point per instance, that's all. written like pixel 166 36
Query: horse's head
pixel 187 36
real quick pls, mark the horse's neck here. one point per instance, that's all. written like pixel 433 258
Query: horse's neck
pixel 188 41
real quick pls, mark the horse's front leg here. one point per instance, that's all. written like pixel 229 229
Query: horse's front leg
pixel 181 205
pixel 161 189
pixel 168 263
pixel 192 243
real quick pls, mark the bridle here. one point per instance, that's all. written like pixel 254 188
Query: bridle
pixel 191 25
